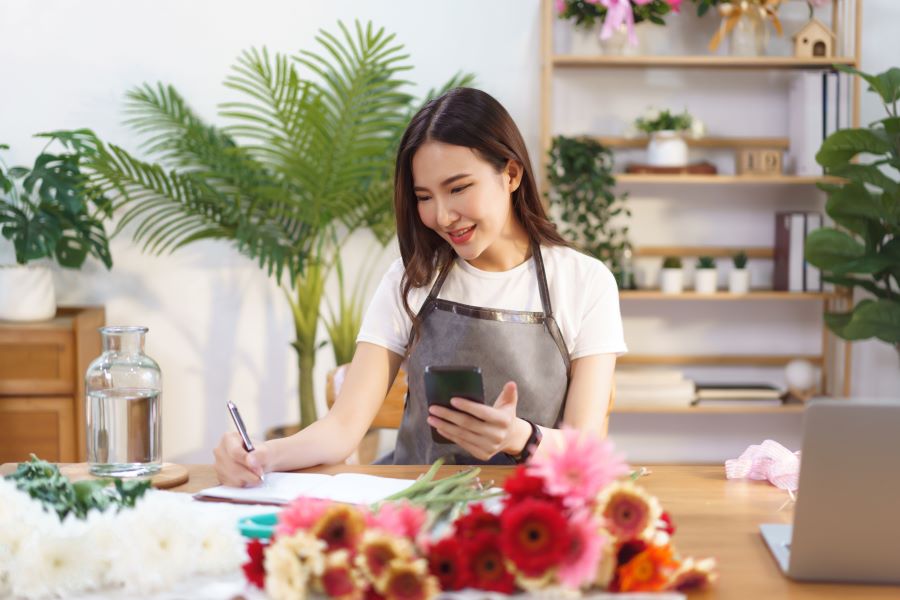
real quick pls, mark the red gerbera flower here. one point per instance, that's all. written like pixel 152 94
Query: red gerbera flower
pixel 254 570
pixel 487 570
pixel 521 485
pixel 534 535
pixel 448 563
pixel 477 521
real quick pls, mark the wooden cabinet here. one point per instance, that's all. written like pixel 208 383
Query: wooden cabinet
pixel 42 366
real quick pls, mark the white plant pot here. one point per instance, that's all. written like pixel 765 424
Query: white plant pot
pixel 667 149
pixel 671 281
pixel 705 281
pixel 26 293
pixel 739 281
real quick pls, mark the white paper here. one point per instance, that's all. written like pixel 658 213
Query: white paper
pixel 282 488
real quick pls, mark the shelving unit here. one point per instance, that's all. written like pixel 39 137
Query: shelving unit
pixel 839 300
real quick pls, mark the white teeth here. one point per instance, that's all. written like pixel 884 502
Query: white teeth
pixel 461 232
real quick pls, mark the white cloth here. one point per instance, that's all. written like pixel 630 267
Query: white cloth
pixel 583 296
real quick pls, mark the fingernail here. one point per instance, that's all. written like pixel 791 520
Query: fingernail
pixel 455 402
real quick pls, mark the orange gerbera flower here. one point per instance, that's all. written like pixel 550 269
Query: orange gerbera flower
pixel 648 571
pixel 340 527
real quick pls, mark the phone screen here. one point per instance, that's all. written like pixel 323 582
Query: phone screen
pixel 445 382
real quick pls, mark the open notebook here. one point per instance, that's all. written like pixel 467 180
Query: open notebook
pixel 281 488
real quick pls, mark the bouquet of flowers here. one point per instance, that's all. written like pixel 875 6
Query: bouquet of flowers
pixel 616 13
pixel 568 522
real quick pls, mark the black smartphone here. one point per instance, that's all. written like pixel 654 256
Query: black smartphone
pixel 444 383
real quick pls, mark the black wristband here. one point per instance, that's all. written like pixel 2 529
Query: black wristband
pixel 531 444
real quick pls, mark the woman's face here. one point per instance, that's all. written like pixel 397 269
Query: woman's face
pixel 466 201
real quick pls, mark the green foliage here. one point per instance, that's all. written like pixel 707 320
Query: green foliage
pixel 308 152
pixel 706 262
pixel 49 211
pixel 865 251
pixel 703 6
pixel 582 187
pixel 586 14
pixel 740 260
pixel 663 120
pixel 671 262
pixel 43 482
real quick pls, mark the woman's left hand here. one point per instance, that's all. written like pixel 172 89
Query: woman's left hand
pixel 482 430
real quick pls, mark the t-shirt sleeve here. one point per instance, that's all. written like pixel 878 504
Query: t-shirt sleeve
pixel 600 330
pixel 386 323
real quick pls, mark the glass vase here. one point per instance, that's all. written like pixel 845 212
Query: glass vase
pixel 123 387
pixel 749 36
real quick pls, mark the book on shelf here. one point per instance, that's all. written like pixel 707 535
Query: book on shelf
pixel 653 387
pixel 792 273
pixel 732 394
pixel 647 375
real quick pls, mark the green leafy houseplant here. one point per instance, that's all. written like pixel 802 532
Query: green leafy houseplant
pixel 586 14
pixel 671 262
pixel 306 159
pixel 706 262
pixel 864 250
pixel 582 188
pixel 48 211
pixel 663 120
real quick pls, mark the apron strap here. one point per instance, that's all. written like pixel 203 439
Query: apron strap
pixel 549 321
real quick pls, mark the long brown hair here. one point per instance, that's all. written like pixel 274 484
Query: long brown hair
pixel 473 119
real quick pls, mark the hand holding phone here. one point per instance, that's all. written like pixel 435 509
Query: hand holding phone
pixel 445 382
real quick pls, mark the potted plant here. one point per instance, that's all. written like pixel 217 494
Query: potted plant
pixel 864 252
pixel 671 277
pixel 582 194
pixel 667 147
pixel 706 277
pixel 739 278
pixel 49 214
pixel 306 160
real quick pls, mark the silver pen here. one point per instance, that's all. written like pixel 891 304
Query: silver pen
pixel 242 431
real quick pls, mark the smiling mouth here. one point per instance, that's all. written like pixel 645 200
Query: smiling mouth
pixel 460 232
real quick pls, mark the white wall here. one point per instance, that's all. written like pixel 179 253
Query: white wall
pixel 218 327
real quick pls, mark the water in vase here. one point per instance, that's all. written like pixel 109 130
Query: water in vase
pixel 123 431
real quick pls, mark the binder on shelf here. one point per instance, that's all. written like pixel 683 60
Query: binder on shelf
pixel 789 264
pixel 811 274
pixel 806 114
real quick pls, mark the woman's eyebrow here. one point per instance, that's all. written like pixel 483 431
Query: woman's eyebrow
pixel 445 182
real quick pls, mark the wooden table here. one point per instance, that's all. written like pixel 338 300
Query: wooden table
pixel 714 517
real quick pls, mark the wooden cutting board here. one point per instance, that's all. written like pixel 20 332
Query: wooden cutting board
pixel 169 476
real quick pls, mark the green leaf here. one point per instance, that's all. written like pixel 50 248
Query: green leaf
pixel 886 84
pixel 841 146
pixel 870 318
pixel 830 249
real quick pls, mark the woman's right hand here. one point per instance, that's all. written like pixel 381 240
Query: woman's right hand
pixel 235 466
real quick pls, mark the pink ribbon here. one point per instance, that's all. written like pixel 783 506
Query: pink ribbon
pixel 768 461
pixel 619 12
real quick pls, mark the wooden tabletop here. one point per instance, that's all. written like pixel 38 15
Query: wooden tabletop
pixel 714 517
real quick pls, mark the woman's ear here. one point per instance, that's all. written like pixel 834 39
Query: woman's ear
pixel 514 173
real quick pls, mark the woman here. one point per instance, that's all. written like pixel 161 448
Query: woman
pixel 484 279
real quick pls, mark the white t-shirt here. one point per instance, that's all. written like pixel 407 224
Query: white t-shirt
pixel 583 296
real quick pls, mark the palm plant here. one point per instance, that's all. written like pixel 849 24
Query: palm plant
pixel 303 162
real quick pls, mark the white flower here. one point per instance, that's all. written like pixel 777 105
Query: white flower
pixel 651 115
pixel 221 547
pixel 54 563
pixel 290 563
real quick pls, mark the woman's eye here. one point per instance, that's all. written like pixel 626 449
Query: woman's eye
pixel 423 198
pixel 456 190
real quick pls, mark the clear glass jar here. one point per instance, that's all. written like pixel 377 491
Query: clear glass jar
pixel 749 36
pixel 123 388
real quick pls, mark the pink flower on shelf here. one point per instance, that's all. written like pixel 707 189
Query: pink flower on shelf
pixel 675 4
pixel 577 470
pixel 585 552
pixel 560 6
pixel 398 518
pixel 301 514
pixel 620 13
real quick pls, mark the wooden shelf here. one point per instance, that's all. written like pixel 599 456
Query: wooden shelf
pixel 760 360
pixel 742 408
pixel 640 178
pixel 777 143
pixel 724 295
pixel 693 251
pixel 700 62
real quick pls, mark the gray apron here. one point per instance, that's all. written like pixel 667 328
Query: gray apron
pixel 508 345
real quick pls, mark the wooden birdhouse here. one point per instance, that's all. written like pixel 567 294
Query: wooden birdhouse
pixel 814 40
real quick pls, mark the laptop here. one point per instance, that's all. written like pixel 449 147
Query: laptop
pixel 847 516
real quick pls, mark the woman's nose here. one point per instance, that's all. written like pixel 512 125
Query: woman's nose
pixel 446 214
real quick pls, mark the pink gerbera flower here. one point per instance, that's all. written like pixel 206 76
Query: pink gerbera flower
pixel 628 511
pixel 579 469
pixel 583 556
pixel 300 514
pixel 398 518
